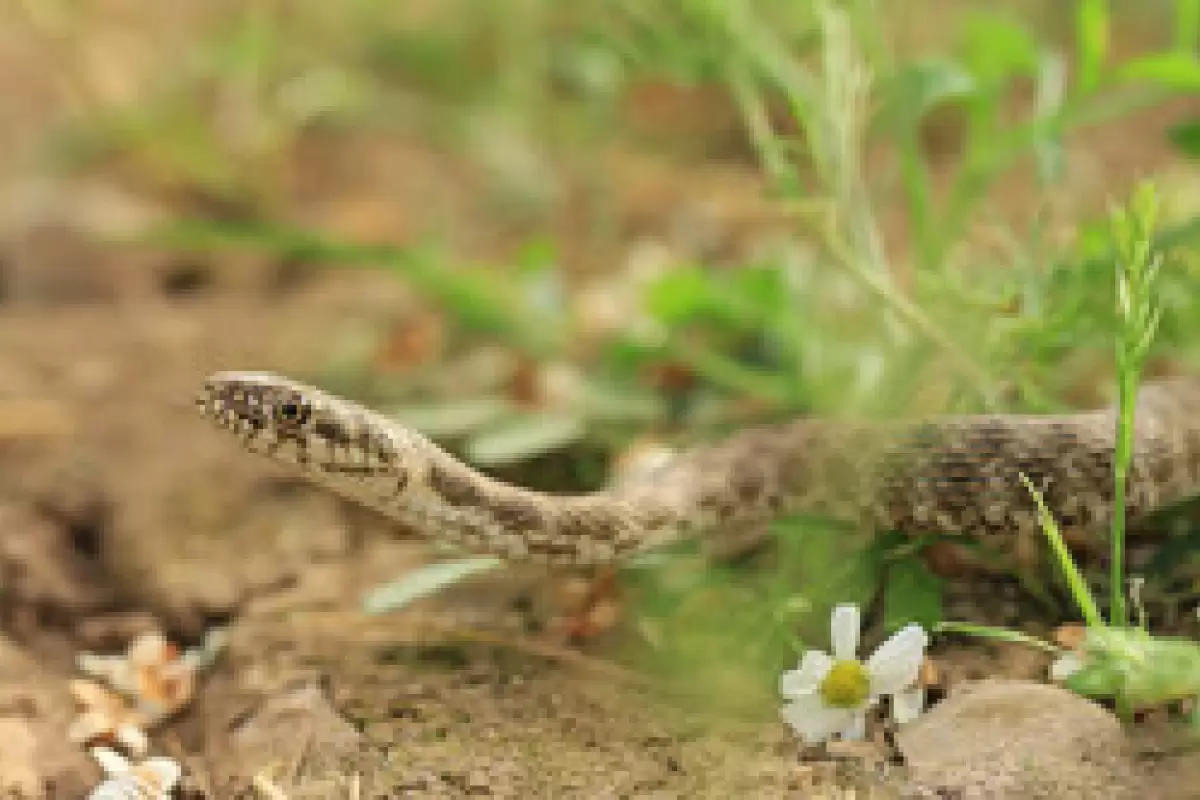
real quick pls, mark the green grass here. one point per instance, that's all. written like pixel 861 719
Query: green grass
pixel 1139 313
pixel 1136 668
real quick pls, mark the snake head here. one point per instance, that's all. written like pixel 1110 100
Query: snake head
pixel 298 424
pixel 260 409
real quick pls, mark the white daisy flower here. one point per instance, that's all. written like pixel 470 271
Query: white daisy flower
pixel 830 695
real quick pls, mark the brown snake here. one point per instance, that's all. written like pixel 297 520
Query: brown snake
pixel 949 475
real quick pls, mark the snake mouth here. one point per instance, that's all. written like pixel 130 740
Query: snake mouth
pixel 234 406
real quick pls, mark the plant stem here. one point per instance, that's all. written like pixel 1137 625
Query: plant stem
pixel 1127 387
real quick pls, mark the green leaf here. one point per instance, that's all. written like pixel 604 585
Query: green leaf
pixel 1186 137
pixel 1175 71
pixel 453 418
pixel 1149 670
pixel 1091 41
pixel 679 295
pixel 483 299
pixel 425 581
pixel 1093 681
pixel 1187 25
pixel 996 48
pixel 537 255
pixel 733 374
pixel 609 401
pixel 760 287
pixel 246 46
pixel 830 563
pixel 919 87
pixel 1047 144
pixel 739 299
pixel 912 594
pixel 521 437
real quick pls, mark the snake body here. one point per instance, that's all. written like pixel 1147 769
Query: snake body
pixel 949 475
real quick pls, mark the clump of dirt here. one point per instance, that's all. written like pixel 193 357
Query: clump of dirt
pixel 36 709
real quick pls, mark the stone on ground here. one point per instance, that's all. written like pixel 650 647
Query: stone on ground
pixel 1010 739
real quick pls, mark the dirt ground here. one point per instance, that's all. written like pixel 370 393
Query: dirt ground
pixel 121 511
pixel 121 508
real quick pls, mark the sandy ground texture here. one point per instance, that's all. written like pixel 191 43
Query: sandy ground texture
pixel 124 510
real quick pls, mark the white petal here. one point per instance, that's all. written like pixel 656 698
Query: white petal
pixel 1065 666
pixel 908 704
pixel 843 632
pixel 807 677
pixel 856 728
pixel 814 721
pixel 166 772
pixel 895 665
pixel 112 762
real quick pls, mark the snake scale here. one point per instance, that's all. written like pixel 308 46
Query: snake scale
pixel 948 475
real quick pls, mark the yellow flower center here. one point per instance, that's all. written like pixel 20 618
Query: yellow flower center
pixel 846 686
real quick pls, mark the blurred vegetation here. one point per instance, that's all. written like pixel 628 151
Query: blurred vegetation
pixel 851 112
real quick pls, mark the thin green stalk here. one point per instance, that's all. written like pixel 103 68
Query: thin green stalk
pixel 771 152
pixel 1092 24
pixel 1137 267
pixel 991 632
pixel 1187 27
pixel 1127 388
pixel 832 120
pixel 1075 580
pixel 1005 149
pixel 981 380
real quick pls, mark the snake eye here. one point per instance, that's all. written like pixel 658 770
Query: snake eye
pixel 293 413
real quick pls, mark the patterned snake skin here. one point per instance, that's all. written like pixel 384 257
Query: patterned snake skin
pixel 951 475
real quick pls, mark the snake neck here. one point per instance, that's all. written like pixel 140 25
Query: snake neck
pixel 733 489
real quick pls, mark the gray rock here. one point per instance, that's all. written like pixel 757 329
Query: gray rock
pixel 1002 739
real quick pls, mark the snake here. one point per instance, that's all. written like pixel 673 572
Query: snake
pixel 953 475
